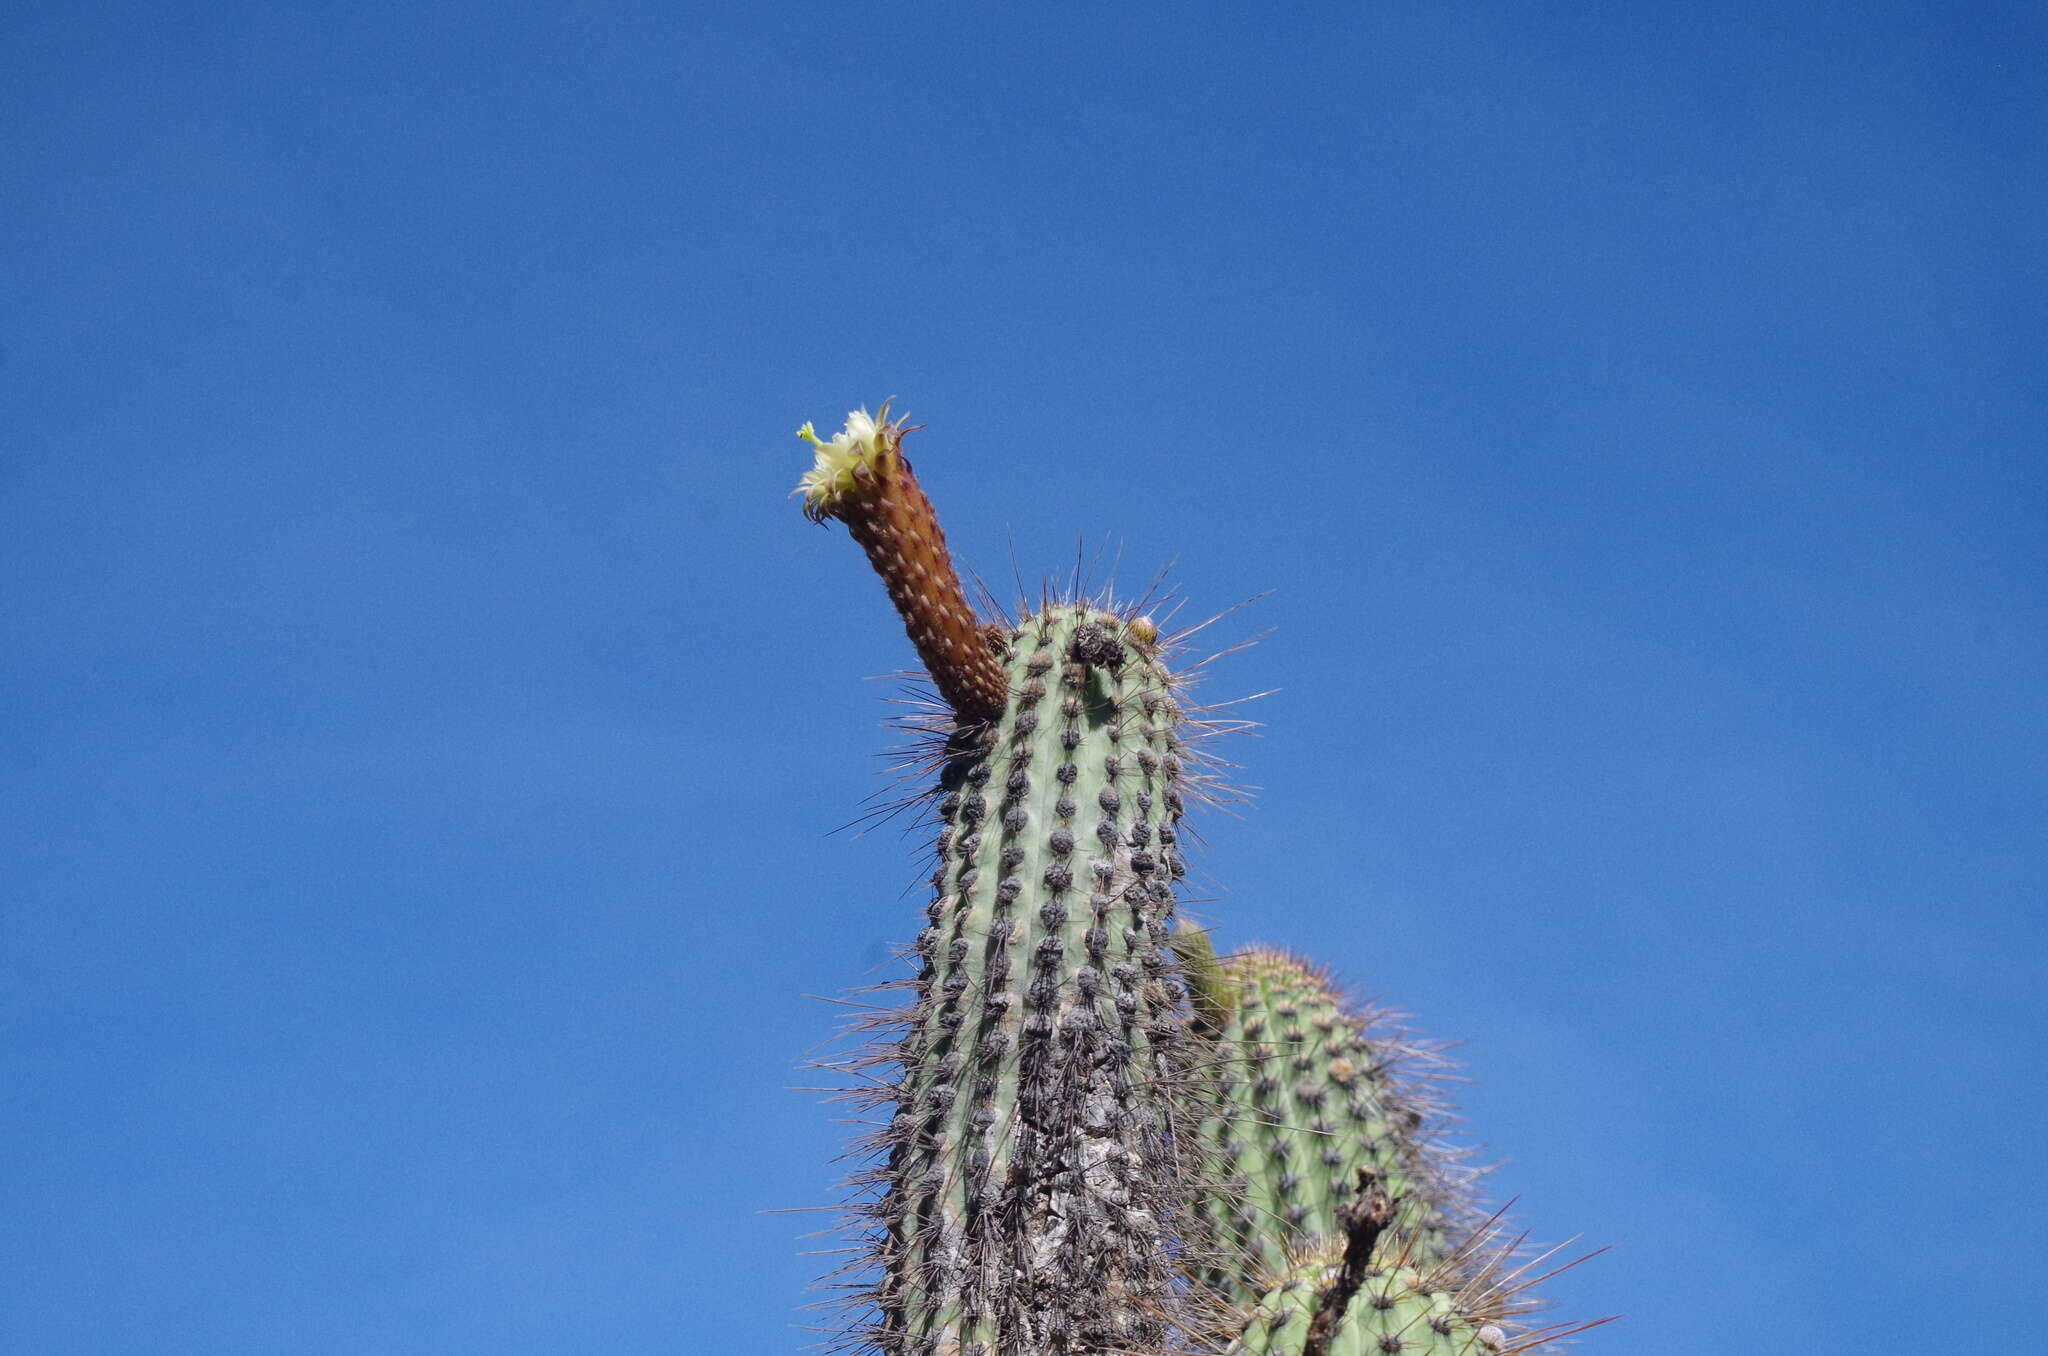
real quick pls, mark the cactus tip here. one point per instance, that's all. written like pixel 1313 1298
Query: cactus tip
pixel 847 462
pixel 862 479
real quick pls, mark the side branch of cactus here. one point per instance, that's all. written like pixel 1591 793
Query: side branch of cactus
pixel 1308 1093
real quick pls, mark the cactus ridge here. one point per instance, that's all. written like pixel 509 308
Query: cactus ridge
pixel 1309 1091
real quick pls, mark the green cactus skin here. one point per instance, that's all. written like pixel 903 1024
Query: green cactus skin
pixel 1305 1099
pixel 1031 1195
pixel 1397 1309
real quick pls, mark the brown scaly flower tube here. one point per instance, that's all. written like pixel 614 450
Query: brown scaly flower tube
pixel 863 479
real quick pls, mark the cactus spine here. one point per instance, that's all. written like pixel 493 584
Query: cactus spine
pixel 1104 1139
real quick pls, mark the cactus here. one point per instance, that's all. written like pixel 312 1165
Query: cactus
pixel 1101 1137
pixel 1307 1095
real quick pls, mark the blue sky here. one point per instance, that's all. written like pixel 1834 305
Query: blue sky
pixel 428 715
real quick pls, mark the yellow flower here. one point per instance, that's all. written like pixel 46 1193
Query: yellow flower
pixel 865 437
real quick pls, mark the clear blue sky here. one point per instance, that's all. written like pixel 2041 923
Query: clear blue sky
pixel 426 713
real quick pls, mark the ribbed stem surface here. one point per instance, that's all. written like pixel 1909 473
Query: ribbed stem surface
pixel 1397 1309
pixel 1032 1190
pixel 1305 1100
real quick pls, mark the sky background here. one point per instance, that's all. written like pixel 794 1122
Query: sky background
pixel 426 716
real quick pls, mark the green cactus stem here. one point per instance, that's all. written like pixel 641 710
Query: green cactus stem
pixel 1031 1189
pixel 1394 1309
pixel 1030 1193
pixel 1211 988
pixel 1349 1297
pixel 1361 1297
pixel 1307 1095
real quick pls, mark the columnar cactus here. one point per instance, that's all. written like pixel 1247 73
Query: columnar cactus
pixel 1031 1189
pixel 1307 1095
pixel 1030 1196
pixel 1101 1138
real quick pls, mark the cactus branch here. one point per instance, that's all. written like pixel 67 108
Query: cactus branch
pixel 1309 1093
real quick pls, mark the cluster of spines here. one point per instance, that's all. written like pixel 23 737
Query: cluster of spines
pixel 1031 1193
pixel 1339 1298
pixel 1397 1308
pixel 1307 1092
